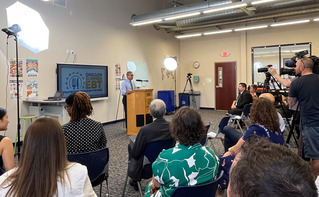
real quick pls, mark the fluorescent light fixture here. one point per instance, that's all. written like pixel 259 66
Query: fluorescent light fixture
pixel 290 23
pixel 250 28
pixel 260 2
pixel 182 16
pixel 316 19
pixel 145 22
pixel 188 35
pixel 225 8
pixel 217 32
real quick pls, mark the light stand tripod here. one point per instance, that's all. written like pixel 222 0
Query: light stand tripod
pixel 12 31
pixel 188 80
pixel 18 95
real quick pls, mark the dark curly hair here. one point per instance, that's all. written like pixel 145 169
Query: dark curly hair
pixel 187 126
pixel 81 105
pixel 263 112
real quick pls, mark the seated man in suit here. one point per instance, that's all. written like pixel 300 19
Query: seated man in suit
pixel 157 130
pixel 244 97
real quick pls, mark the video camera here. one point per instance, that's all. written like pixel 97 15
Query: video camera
pixel 264 70
pixel 294 59
pixel 287 71
pixel 189 75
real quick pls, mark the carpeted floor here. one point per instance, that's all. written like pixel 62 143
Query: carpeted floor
pixel 117 143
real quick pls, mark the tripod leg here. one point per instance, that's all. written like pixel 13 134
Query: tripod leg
pixel 192 94
pixel 181 99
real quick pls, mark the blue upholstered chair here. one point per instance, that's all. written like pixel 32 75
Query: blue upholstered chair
pixel 207 189
pixel 96 163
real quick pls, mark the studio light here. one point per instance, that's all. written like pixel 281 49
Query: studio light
pixel 34 33
pixel 13 30
pixel 170 63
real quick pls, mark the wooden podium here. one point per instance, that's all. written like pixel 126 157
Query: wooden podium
pixel 138 110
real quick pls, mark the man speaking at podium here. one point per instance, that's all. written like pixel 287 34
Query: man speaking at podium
pixel 127 87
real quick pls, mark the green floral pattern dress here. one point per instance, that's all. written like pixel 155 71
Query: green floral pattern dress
pixel 183 166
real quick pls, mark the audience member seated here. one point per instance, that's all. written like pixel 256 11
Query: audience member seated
pixel 82 134
pixel 188 163
pixel 43 169
pixel 262 168
pixel 265 123
pixel 6 148
pixel 272 99
pixel 157 130
pixel 244 97
pixel 253 91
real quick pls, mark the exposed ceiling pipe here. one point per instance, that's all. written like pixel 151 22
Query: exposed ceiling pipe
pixel 279 7
pixel 248 15
pixel 240 20
pixel 179 10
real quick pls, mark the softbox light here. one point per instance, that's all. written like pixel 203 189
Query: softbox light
pixel 34 34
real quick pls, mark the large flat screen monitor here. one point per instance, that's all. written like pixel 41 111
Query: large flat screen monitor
pixel 92 79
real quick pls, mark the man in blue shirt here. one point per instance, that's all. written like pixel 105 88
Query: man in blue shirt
pixel 127 87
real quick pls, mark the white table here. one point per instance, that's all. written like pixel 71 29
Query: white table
pixel 47 108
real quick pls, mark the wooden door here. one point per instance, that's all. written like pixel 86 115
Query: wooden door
pixel 225 83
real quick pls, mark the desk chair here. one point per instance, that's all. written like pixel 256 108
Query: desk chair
pixel 96 163
pixel 244 115
pixel 153 149
pixel 207 189
pixel 24 118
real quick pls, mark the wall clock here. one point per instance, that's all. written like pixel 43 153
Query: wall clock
pixel 196 64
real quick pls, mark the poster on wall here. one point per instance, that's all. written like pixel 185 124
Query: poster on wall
pixel 32 88
pixel 13 67
pixel 13 89
pixel 117 83
pixel 32 67
pixel 117 70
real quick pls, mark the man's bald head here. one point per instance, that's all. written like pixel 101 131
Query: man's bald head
pixel 268 96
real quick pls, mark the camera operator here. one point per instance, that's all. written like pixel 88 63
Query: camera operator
pixel 305 90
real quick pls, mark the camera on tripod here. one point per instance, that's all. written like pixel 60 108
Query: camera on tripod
pixel 189 75
pixel 264 70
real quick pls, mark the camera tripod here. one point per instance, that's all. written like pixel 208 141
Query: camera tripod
pixel 188 80
pixel 292 126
